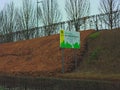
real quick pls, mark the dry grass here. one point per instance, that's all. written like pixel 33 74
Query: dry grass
pixel 92 76
pixel 37 57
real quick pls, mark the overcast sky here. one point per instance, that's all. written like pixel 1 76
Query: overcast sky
pixel 93 11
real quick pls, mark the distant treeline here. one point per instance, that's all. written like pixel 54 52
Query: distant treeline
pixel 23 23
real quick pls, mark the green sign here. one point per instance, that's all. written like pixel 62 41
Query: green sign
pixel 69 39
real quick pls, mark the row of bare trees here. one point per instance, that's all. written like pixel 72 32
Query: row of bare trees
pixel 17 19
pixel 49 14
pixel 29 14
pixel 110 7
pixel 77 9
pixel 8 20
pixel 24 18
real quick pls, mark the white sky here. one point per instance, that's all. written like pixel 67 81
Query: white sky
pixel 94 6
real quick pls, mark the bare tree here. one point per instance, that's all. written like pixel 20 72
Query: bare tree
pixel 111 8
pixel 95 20
pixel 7 18
pixel 77 9
pixel 1 20
pixel 50 15
pixel 27 17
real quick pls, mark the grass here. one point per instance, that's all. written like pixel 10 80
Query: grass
pixel 1 88
pixel 94 55
pixel 92 76
pixel 94 35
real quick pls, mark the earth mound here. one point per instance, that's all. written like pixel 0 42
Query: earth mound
pixel 38 57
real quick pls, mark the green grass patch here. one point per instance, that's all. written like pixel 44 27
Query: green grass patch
pixel 94 35
pixel 1 88
pixel 94 55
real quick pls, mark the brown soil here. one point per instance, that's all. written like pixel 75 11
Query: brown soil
pixel 38 57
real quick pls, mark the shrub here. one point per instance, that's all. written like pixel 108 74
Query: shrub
pixel 2 88
pixel 94 55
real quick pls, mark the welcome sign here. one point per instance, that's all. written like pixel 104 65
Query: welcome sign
pixel 69 39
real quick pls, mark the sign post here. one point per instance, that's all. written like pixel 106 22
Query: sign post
pixel 69 39
pixel 75 57
pixel 61 40
pixel 63 60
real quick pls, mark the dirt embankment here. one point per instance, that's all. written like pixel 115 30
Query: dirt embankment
pixel 37 57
